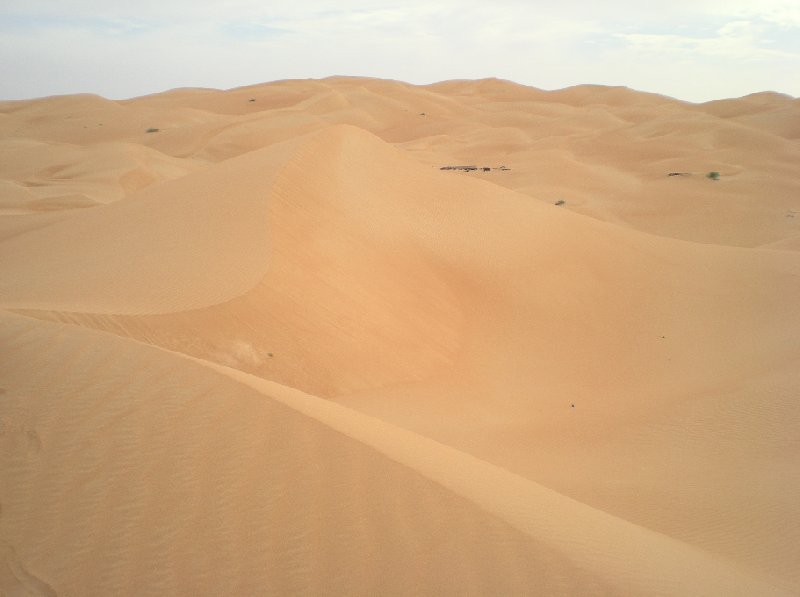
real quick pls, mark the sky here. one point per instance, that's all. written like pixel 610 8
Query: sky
pixel 694 50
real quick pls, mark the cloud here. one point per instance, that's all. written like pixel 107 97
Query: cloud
pixel 737 40
pixel 122 49
pixel 781 13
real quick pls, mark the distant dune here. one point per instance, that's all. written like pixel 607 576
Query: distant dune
pixel 358 337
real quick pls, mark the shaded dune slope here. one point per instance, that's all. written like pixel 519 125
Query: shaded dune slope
pixel 341 237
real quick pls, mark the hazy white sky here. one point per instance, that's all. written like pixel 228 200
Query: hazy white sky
pixel 690 49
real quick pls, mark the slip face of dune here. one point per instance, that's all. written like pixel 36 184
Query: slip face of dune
pixel 259 341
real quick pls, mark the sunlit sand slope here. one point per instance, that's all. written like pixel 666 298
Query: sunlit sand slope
pixel 166 477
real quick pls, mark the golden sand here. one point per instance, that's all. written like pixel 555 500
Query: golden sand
pixel 260 342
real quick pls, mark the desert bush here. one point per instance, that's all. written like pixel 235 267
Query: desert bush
pixel 713 175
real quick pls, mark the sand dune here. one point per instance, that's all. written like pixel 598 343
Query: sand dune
pixel 280 351
pixel 605 151
pixel 275 500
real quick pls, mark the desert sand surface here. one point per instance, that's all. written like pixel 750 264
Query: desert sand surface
pixel 265 342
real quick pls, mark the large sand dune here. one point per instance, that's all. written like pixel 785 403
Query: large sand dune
pixel 280 351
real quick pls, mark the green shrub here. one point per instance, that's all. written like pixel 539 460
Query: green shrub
pixel 713 175
pixel 151 130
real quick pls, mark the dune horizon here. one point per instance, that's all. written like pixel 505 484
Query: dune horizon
pixel 354 336
pixel 200 87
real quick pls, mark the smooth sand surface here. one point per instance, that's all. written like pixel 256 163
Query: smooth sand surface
pixel 272 348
